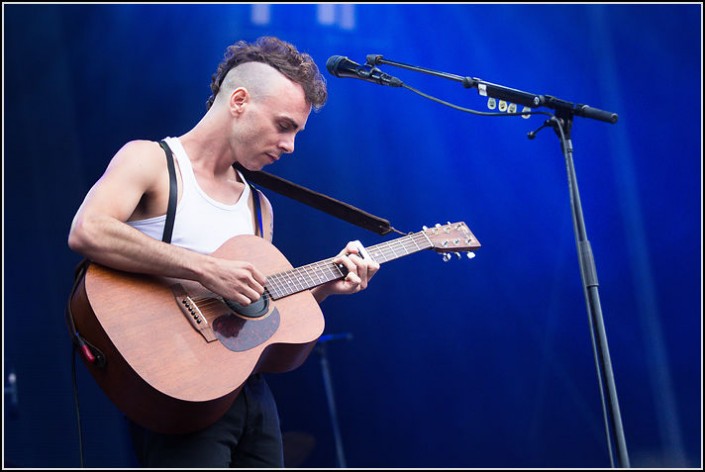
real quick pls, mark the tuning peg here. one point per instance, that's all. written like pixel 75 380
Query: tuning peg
pixel 458 255
pixel 471 255
pixel 502 105
pixel 446 257
pixel 491 103
pixel 525 113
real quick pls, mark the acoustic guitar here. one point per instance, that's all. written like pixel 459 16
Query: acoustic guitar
pixel 174 356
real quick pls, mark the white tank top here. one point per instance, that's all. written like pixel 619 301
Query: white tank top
pixel 202 224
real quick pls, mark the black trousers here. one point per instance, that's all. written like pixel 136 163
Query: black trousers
pixel 247 436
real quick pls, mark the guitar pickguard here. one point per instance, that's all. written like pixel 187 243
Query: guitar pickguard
pixel 230 323
pixel 241 334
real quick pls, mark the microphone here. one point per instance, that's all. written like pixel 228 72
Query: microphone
pixel 343 67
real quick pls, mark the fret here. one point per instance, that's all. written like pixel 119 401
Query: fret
pixel 391 250
pixel 303 278
pixel 315 274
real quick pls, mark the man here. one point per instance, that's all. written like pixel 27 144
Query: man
pixel 263 94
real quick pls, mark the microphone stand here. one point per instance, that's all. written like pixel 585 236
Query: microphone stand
pixel 562 123
pixel 321 348
pixel 612 417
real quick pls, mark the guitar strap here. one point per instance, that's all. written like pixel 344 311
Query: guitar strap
pixel 89 352
pixel 258 209
pixel 173 193
pixel 319 201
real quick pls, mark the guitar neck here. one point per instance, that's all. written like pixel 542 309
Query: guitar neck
pixel 312 275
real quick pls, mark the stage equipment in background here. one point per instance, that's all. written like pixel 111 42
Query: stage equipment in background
pixel 506 100
pixel 298 446
pixel 322 350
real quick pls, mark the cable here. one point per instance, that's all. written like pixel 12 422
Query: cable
pixel 474 112
pixel 77 404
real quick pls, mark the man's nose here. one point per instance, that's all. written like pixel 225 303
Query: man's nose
pixel 287 144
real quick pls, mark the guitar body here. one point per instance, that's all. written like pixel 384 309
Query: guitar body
pixel 176 356
pixel 160 370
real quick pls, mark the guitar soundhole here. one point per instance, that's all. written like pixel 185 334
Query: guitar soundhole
pixel 240 334
pixel 255 309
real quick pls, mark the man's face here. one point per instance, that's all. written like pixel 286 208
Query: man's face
pixel 269 124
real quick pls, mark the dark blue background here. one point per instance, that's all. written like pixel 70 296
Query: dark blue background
pixel 481 363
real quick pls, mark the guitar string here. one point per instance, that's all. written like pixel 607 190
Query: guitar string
pixel 299 279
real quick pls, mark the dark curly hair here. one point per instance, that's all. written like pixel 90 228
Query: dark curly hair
pixel 284 57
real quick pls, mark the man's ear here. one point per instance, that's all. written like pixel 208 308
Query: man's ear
pixel 239 98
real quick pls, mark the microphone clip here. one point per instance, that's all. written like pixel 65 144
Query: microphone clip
pixel 373 59
pixel 551 122
pixel 376 75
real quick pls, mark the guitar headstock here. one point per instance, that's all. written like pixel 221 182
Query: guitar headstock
pixel 452 238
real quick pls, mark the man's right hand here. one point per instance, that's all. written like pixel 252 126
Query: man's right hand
pixel 238 281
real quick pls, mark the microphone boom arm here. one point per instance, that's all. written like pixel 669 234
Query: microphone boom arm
pixel 511 95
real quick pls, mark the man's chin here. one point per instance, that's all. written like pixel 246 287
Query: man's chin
pixel 253 166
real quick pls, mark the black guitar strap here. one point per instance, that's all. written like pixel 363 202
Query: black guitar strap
pixel 173 193
pixel 319 201
pixel 89 352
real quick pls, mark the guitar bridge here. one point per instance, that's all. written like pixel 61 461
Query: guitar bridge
pixel 193 313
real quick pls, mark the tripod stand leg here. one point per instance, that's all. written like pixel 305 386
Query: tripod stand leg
pixel 340 456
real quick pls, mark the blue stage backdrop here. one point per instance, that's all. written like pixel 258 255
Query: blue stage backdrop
pixel 482 363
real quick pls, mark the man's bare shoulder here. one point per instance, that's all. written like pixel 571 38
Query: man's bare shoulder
pixel 140 155
pixel 142 162
pixel 140 148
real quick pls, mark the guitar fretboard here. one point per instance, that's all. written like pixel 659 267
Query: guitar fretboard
pixel 312 275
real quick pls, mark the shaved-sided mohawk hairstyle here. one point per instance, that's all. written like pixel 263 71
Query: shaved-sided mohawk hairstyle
pixel 281 55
